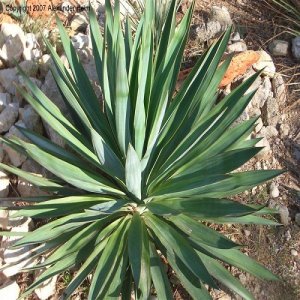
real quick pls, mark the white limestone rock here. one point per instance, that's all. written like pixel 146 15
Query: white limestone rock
pixel 258 126
pixel 30 67
pixel 9 290
pixel 31 41
pixel 20 257
pixel 54 136
pixel 3 218
pixel 266 151
pixel 279 48
pixel 256 84
pixel 219 19
pixel 79 22
pixel 274 191
pixel 15 157
pixel 44 64
pixel 269 132
pixel 270 112
pixel 221 15
pixel 263 92
pixel 5 99
pixel 205 32
pixel 13 43
pixel 235 37
pixel 25 188
pixel 284 129
pixel 4 185
pixel 278 85
pixel 284 215
pixel 237 47
pixel 12 50
pixel 265 62
pixel 8 116
pixel 47 289
pixel 80 41
pixel 90 69
pixel 51 90
pixel 32 54
pixel 31 119
pixel 7 79
pixel 8 29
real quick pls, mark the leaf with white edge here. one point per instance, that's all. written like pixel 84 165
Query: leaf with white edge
pixel 39 181
pixel 189 281
pixel 177 245
pixel 109 207
pixel 249 219
pixel 199 207
pixel 159 276
pixel 57 268
pixel 67 205
pixel 138 250
pixel 222 275
pixel 108 261
pixel 133 172
pixel 240 260
pixel 202 233
pixel 122 100
pixel 107 157
pixel 84 271
pixel 76 176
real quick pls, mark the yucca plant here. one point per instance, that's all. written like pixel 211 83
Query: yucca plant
pixel 145 171
pixel 161 8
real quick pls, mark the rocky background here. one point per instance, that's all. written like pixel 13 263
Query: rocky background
pixel 277 248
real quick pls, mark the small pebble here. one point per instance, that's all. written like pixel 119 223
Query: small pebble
pixel 237 47
pixel 243 278
pixel 235 37
pixel 274 191
pixel 288 235
pixel 259 125
pixel 279 48
pixel 247 233
pixel 258 165
pixel 284 215
pixel 253 191
pixel 294 252
pixel 284 129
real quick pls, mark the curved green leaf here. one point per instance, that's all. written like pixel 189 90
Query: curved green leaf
pixel 133 172
pixel 177 245
pixel 138 250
